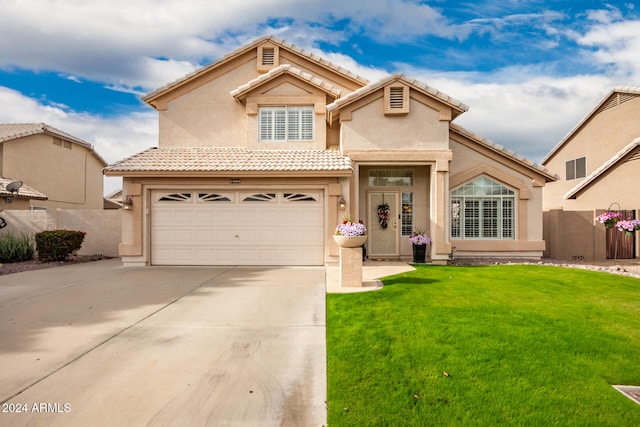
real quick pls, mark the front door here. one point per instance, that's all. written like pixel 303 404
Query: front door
pixel 384 234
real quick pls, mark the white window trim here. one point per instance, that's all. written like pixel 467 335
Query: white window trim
pixel 275 131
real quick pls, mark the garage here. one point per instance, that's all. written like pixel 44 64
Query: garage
pixel 210 227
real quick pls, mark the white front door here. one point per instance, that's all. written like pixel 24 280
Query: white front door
pixel 384 232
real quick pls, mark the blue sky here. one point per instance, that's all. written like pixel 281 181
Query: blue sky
pixel 529 70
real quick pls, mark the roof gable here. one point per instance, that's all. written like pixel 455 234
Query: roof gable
pixel 504 152
pixel 457 107
pixel 13 131
pixel 615 97
pixel 630 152
pixel 208 71
pixel 241 92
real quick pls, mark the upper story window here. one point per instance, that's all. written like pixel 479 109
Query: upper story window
pixel 286 123
pixel 576 168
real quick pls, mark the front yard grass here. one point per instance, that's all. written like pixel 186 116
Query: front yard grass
pixel 492 345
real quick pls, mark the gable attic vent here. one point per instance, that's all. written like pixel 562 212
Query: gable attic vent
pixel 396 100
pixel 624 97
pixel 268 57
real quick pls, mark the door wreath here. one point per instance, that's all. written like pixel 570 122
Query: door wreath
pixel 383 215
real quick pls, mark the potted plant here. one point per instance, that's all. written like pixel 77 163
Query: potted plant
pixel 419 240
pixel 629 226
pixel 609 218
pixel 350 234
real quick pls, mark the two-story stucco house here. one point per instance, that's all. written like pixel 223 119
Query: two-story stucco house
pixel 59 171
pixel 597 159
pixel 263 152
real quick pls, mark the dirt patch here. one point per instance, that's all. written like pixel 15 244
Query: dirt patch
pixel 34 264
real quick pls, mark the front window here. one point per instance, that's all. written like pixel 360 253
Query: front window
pixel 483 209
pixel 286 123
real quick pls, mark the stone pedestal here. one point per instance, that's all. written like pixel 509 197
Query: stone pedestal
pixel 351 267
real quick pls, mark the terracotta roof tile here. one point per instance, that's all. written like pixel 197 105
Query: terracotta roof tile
pixel 25 192
pixel 287 69
pixel 311 56
pixel 505 151
pixel 215 159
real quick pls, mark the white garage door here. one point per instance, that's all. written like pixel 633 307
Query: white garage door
pixel 237 228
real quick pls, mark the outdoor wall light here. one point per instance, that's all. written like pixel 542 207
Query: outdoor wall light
pixel 342 203
pixel 127 203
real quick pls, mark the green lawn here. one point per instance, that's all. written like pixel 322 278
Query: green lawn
pixel 496 345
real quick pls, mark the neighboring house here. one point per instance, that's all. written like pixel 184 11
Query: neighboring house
pixel 600 164
pixel 65 169
pixel 263 152
pixel 20 197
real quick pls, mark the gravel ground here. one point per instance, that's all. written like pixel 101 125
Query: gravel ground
pixel 625 267
pixel 17 267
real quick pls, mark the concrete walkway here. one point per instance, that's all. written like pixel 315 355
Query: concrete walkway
pixel 103 345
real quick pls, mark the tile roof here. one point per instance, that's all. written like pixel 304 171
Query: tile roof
pixel 11 131
pixel 287 69
pixel 222 159
pixel 571 194
pixel 25 192
pixel 372 87
pixel 311 56
pixel 634 90
pixel 504 151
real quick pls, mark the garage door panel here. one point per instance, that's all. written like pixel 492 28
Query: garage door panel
pixel 274 231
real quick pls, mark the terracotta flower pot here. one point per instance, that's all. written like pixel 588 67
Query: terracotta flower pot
pixel 349 241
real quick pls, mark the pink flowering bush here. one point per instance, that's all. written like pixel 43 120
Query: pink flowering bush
pixel 628 226
pixel 351 228
pixel 609 218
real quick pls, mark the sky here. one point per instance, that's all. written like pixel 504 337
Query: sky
pixel 529 70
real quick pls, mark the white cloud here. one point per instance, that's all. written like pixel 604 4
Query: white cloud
pixel 112 138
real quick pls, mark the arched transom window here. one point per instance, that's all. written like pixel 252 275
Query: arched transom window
pixel 483 209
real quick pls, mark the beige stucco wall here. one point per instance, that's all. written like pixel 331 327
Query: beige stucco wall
pixel 70 177
pixel 209 116
pixel 102 226
pixel 599 139
pixel 370 129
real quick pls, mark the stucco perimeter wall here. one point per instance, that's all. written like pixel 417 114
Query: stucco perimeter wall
pixel 574 236
pixel 102 226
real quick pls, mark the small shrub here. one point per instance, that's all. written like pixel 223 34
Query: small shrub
pixel 16 248
pixel 57 245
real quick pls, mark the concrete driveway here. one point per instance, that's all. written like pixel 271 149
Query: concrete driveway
pixel 103 345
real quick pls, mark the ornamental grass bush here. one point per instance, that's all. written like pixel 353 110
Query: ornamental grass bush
pixel 16 248
pixel 57 245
